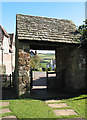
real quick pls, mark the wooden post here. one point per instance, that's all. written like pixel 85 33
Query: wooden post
pixel 10 81
pixel 12 78
pixel 31 79
pixel 47 79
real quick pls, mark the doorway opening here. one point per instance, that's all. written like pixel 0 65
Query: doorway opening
pixel 46 63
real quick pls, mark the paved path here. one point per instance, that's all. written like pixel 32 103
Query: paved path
pixel 39 78
pixel 55 103
pixel 6 110
pixel 39 89
pixel 65 111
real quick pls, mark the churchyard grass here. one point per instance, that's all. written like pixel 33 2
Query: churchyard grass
pixel 79 104
pixel 29 108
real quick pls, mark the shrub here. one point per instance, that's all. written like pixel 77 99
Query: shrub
pixel 3 69
pixel 39 69
pixel 46 69
pixel 55 69
pixel 43 69
pixel 49 69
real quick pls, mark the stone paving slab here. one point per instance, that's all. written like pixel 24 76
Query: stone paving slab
pixel 4 104
pixel 50 101
pixel 12 117
pixel 5 110
pixel 0 111
pixel 59 105
pixel 0 104
pixel 71 119
pixel 65 112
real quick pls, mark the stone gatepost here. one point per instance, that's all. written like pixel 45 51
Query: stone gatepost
pixel 70 70
pixel 22 70
pixel 61 66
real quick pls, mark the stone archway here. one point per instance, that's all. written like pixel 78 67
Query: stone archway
pixel 42 33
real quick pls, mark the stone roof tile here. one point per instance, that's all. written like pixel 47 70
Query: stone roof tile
pixel 46 29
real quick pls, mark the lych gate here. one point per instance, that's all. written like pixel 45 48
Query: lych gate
pixel 41 33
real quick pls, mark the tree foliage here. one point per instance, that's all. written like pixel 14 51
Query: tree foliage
pixel 35 62
pixel 83 30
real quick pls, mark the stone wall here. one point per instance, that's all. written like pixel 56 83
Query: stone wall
pixel 71 68
pixel 22 82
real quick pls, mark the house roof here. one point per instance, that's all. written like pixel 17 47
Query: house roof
pixel 4 31
pixel 46 29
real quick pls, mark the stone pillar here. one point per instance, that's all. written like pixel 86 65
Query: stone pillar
pixel 61 66
pixel 24 71
pixel 76 70
pixel 71 68
pixel 58 76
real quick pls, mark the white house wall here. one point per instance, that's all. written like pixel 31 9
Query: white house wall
pixel 13 57
pixel 7 62
pixel 6 45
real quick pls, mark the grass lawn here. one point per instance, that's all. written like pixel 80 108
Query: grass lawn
pixel 29 108
pixel 79 104
pixel 43 65
pixel 46 58
pixel 50 56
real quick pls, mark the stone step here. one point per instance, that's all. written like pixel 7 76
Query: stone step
pixel 4 104
pixel 65 112
pixel 59 105
pixel 12 117
pixel 52 101
pixel 5 110
pixel 71 118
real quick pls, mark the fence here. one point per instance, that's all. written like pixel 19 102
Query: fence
pixel 31 79
pixel 6 81
pixel 51 80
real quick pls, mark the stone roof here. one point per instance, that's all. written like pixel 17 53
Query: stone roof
pixel 46 29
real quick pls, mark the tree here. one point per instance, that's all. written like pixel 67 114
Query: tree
pixel 35 62
pixel 83 30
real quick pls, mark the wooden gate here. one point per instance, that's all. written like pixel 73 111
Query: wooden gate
pixel 31 79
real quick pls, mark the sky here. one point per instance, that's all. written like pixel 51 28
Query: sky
pixel 74 11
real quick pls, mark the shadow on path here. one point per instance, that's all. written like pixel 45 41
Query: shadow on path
pixel 8 94
pixel 39 89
